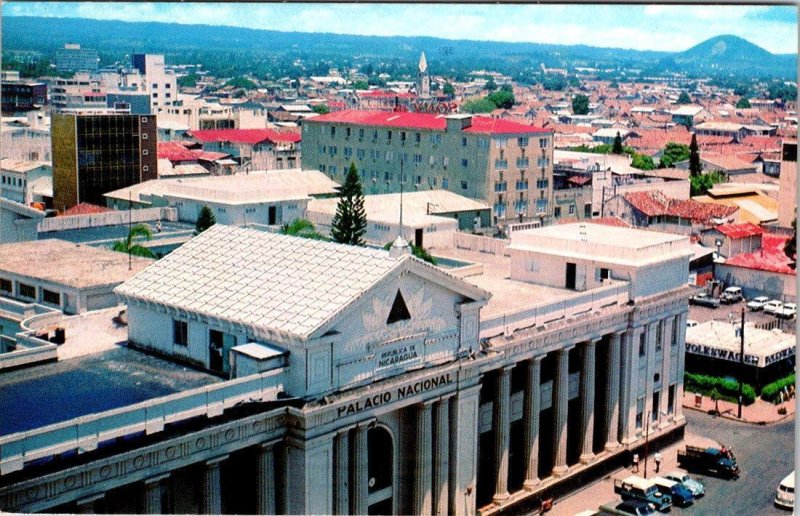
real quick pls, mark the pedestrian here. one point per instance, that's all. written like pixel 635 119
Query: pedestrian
pixel 635 462
pixel 658 461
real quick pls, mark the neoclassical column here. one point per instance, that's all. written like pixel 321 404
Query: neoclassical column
pixel 587 399
pixel 560 406
pixel 501 421
pixel 152 494
pixel 360 480
pixel 612 391
pixel 265 478
pixel 441 456
pixel 681 321
pixel 341 472
pixel 422 499
pixel 531 407
pixel 212 496
pixel 666 359
pixel 629 391
pixel 464 450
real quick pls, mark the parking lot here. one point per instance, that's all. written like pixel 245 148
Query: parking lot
pixel 734 311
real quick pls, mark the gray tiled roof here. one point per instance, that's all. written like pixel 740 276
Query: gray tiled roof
pixel 275 282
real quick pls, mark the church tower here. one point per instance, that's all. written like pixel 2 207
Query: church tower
pixel 423 80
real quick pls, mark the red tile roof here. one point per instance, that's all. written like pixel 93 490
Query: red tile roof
pixel 84 208
pixel 249 136
pixel 746 229
pixel 655 203
pixel 769 258
pixel 378 94
pixel 177 151
pixel 408 120
pixel 610 221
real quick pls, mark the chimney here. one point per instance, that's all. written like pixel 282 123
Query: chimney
pixel 457 123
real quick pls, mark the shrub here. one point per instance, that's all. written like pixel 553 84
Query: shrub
pixel 771 391
pixel 726 388
pixel 782 411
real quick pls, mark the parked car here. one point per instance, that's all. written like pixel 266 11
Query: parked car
pixel 681 496
pixel 772 307
pixel 636 507
pixel 703 299
pixel 731 295
pixel 691 323
pixel 638 488
pixel 696 487
pixel 787 311
pixel 710 460
pixel 785 495
pixel 757 303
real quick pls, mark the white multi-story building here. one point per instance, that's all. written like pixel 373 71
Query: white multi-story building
pixel 162 84
pixel 370 382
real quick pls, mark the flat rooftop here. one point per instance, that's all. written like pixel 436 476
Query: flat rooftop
pixel 602 242
pixel 66 263
pixel 718 339
pixel 108 234
pixel 42 395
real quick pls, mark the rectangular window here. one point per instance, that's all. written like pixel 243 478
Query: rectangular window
pixel 333 131
pixel 656 404
pixel 388 136
pixel 541 205
pixel 361 153
pixel 642 343
pixel 463 141
pixel 464 185
pixel 180 332
pixel 27 291
pixel 5 285
pixel 523 141
pixel 542 162
pixel 360 134
pixel 500 164
pixel 347 132
pixel 587 210
pixel 48 296
pixel 541 184
pixel 571 209
pixel 445 183
pixel 464 163
pixel 522 184
pixel 417 137
pixel 543 143
pixel 445 161
pixel 502 141
pixel 522 162
pixel 557 211
pixel 659 334
pixel 639 413
pixel 671 400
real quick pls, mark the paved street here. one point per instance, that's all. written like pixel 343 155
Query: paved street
pixel 702 314
pixel 765 455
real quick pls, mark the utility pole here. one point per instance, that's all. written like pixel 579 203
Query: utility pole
pixel 130 227
pixel 741 364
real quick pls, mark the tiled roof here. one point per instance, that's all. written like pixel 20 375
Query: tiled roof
pixel 726 162
pixel 177 151
pixel 273 282
pixel 740 230
pixel 249 136
pixel 378 94
pixel 655 203
pixel 409 120
pixel 610 221
pixel 769 258
pixel 84 208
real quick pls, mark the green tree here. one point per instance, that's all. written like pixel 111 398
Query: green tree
pixel 643 162
pixel 743 103
pixel 129 244
pixel 350 221
pixel 205 219
pixel 448 89
pixel 617 148
pixel 700 185
pixel 483 105
pixel 614 85
pixel 683 98
pixel 580 104
pixel 241 82
pixel 790 247
pixel 302 228
pixel 321 109
pixel 695 167
pixel 361 85
pixel 673 153
pixel 502 98
pixel 490 85
pixel 188 81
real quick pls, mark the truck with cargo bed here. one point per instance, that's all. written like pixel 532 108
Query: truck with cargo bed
pixel 710 460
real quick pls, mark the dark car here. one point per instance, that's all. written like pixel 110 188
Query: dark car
pixel 704 299
pixel 637 507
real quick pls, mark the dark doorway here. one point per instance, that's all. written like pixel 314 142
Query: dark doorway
pixel 380 466
pixel 272 216
pixel 418 237
pixel 215 350
pixel 570 276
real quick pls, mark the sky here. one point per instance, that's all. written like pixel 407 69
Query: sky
pixel 641 27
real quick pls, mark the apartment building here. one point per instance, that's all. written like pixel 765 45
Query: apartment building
pixel 506 164
pixel 73 58
pixel 162 84
pixel 97 153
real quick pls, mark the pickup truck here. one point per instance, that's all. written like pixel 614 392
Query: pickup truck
pixel 638 488
pixel 710 460
pixel 703 299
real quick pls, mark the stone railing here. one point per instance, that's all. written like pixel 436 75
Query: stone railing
pixel 482 244
pixel 85 433
pixel 573 306
pixel 28 348
pixel 110 218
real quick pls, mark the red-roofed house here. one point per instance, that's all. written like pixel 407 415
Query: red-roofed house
pixel 505 163
pixel 253 149
pixel 84 208
pixel 653 210
pixel 765 272
pixel 733 239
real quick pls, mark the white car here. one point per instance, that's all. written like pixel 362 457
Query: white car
pixel 785 495
pixel 788 311
pixel 757 303
pixel 772 307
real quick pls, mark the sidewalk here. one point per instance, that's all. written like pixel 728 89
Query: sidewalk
pixel 602 491
pixel 760 412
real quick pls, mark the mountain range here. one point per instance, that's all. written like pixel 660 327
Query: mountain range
pixel 182 43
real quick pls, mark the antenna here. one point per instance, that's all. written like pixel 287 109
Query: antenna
pixel 130 228
pixel 401 196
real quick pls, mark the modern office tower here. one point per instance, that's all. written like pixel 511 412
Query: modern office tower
pixel 97 153
pixel 73 58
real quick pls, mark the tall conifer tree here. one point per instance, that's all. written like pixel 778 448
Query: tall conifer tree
pixel 350 221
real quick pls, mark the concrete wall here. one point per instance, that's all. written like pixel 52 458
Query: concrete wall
pixel 758 283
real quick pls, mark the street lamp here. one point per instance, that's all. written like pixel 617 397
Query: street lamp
pixel 741 358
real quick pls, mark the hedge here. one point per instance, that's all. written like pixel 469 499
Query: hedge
pixel 771 391
pixel 726 388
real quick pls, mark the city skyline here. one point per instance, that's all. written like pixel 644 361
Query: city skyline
pixel 677 28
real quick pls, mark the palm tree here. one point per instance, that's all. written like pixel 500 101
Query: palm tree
pixel 129 245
